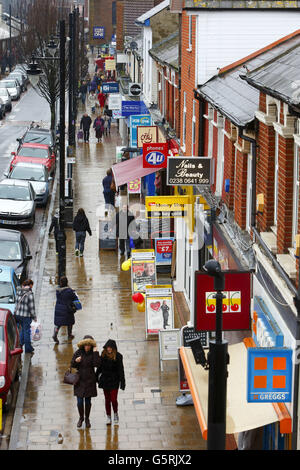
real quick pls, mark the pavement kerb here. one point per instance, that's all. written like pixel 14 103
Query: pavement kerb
pixel 38 280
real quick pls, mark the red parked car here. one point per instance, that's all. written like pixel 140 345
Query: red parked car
pixel 35 153
pixel 10 355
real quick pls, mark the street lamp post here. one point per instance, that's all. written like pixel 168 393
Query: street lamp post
pixel 218 359
pixel 71 82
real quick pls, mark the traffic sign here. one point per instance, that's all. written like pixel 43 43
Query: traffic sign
pixel 155 155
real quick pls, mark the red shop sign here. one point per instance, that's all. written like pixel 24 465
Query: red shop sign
pixel 164 246
pixel 236 304
pixel 155 155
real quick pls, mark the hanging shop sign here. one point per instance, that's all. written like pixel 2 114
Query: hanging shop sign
pixel 117 114
pixel 159 309
pixel 169 342
pixel 236 304
pixel 167 206
pixel 130 108
pixel 143 269
pixel 189 171
pixel 163 251
pixel 135 121
pixel 110 64
pixel 269 375
pixel 110 87
pixel 135 89
pixel 114 102
pixel 134 187
pixel 98 32
pixel 265 331
pixel 146 135
pixel 155 155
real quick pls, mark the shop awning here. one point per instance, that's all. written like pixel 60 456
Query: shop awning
pixel 129 170
pixel 241 415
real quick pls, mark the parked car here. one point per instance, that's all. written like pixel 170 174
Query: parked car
pixel 35 153
pixel 17 203
pixel 2 109
pixel 10 352
pixel 17 74
pixel 9 284
pixel 37 175
pixel 15 252
pixel 5 97
pixel 13 88
pixel 37 135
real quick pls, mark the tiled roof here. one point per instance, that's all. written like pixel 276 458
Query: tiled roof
pixel 167 51
pixel 238 100
pixel 146 16
pixel 132 10
pixel 280 77
pixel 251 4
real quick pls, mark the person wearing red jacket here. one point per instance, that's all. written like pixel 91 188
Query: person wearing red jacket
pixel 102 100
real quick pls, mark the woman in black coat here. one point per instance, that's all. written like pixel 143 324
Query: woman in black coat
pixel 110 377
pixel 81 225
pixel 85 360
pixel 64 311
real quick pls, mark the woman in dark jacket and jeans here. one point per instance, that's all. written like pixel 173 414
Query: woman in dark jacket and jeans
pixel 110 377
pixel 85 360
pixel 81 226
pixel 63 314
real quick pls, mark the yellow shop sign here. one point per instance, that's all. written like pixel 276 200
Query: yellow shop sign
pixel 167 206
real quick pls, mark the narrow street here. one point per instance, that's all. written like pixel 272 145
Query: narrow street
pixel 149 417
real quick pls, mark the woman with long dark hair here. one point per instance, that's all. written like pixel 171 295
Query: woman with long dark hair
pixel 81 226
pixel 64 309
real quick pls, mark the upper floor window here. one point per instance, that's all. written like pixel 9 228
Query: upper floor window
pixel 190 32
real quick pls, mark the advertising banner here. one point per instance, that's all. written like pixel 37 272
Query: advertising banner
pixel 269 375
pixel 146 135
pixel 189 171
pixel 117 114
pixel 114 102
pixel 155 155
pixel 110 64
pixel 236 304
pixel 163 251
pixel 143 269
pixel 135 121
pixel 98 32
pixel 130 108
pixel 110 87
pixel 159 309
pixel 134 187
pixel 166 206
pixel 169 342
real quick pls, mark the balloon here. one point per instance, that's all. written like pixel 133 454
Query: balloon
pixel 126 266
pixel 141 307
pixel 137 298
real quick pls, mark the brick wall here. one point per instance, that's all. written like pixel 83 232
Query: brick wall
pixel 100 14
pixel 285 194
pixel 120 25
pixel 188 61
pixel 265 169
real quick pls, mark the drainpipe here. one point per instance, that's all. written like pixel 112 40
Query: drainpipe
pixel 291 286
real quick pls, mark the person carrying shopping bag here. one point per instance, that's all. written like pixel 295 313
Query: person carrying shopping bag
pixel 85 360
pixel 111 377
pixel 24 314
pixel 99 127
pixel 81 225
pixel 64 309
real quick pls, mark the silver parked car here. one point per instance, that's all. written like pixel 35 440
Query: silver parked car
pixel 5 97
pixel 20 78
pixel 17 203
pixel 12 87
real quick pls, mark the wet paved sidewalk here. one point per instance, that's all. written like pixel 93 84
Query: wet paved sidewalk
pixel 149 417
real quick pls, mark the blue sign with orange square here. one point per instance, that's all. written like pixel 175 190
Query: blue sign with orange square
pixel 269 375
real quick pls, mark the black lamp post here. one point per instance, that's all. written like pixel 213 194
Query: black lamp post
pixel 33 73
pixel 218 359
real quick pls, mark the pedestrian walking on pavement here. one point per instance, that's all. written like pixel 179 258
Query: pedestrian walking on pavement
pixel 111 377
pixel 24 314
pixel 64 309
pixel 123 220
pixel 99 127
pixel 81 226
pixel 83 91
pixel 107 118
pixel 93 101
pixel 85 360
pixel 109 194
pixel 85 125
pixel 55 226
pixel 102 100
